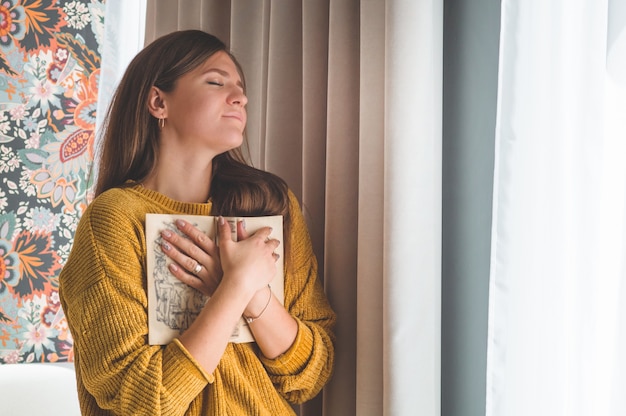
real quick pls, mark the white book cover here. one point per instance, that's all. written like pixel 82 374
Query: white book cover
pixel 173 305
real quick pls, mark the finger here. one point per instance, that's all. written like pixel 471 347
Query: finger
pixel 242 233
pixel 224 232
pixel 195 235
pixel 188 247
pixel 183 268
pixel 186 278
pixel 183 251
pixel 263 233
pixel 274 243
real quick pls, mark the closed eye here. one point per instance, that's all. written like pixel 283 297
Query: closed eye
pixel 219 84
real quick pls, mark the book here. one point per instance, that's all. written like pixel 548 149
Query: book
pixel 173 305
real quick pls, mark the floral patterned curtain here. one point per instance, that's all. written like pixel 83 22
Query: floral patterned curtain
pixel 49 74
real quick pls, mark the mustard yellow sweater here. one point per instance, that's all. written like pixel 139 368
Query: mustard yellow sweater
pixel 103 293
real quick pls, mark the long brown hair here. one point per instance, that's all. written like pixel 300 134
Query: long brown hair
pixel 130 141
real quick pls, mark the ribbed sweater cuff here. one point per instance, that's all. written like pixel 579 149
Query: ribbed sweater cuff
pixel 186 373
pixel 296 357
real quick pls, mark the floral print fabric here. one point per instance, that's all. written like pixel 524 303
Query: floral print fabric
pixel 49 73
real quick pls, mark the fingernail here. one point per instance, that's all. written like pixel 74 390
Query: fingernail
pixel 166 234
pixel 243 223
pixel 180 223
pixel 165 246
pixel 173 267
pixel 221 220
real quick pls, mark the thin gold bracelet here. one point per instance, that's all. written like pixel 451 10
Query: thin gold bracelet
pixel 249 319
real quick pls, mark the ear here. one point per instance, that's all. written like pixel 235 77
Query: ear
pixel 156 103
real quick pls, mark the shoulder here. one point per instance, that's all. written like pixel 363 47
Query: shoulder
pixel 118 199
pixel 115 209
pixel 295 209
pixel 108 242
pixel 298 225
pixel 294 202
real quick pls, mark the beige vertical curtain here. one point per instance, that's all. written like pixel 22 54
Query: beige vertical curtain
pixel 345 105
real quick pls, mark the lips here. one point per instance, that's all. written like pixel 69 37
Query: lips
pixel 235 115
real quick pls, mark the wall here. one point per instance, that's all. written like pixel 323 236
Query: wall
pixel 49 72
pixel 471 36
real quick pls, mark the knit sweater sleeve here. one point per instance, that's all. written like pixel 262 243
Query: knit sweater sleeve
pixel 301 372
pixel 104 298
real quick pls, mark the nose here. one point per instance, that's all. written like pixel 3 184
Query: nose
pixel 238 97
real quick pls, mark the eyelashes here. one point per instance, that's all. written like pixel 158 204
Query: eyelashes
pixel 221 84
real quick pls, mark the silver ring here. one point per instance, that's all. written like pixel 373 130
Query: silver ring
pixel 197 269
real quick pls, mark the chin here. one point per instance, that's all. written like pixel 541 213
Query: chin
pixel 233 144
pixel 238 141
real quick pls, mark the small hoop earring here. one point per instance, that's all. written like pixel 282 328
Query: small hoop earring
pixel 161 123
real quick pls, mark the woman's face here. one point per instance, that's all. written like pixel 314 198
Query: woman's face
pixel 206 109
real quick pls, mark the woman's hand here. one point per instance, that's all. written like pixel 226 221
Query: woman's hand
pixel 196 259
pixel 250 263
pixel 259 301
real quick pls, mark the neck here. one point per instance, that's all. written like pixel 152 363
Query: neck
pixel 185 185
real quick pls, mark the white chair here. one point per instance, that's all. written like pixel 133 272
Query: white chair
pixel 38 389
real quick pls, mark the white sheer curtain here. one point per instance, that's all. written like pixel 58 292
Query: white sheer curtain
pixel 345 104
pixel 124 36
pixel 557 304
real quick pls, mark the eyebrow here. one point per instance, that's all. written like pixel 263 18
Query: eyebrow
pixel 223 73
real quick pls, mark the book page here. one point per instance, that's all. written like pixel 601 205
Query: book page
pixel 172 305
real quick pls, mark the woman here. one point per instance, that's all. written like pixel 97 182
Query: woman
pixel 172 144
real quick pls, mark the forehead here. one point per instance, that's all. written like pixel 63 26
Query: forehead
pixel 221 63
